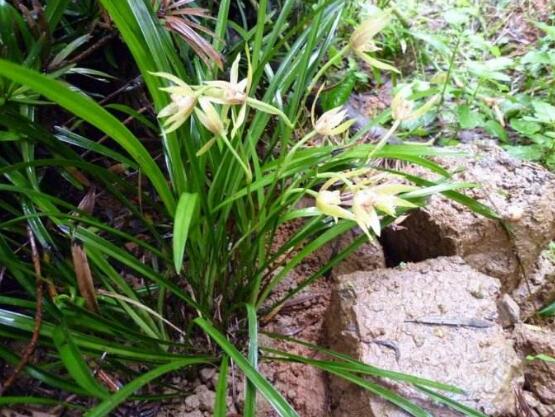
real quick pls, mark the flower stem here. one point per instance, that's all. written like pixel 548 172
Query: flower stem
pixel 326 66
pixel 238 158
pixel 384 140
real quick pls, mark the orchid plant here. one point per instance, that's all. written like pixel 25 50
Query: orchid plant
pixel 183 279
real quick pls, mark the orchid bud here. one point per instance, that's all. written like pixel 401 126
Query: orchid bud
pixel 209 117
pixel 362 39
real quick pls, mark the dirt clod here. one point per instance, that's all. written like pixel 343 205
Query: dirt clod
pixel 538 289
pixel 539 375
pixel 424 319
pixel 206 398
pixel 509 311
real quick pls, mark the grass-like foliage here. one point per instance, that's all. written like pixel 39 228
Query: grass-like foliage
pixel 194 254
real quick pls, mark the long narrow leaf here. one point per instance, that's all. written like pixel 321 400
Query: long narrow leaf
pixel 110 403
pixel 75 364
pixel 250 392
pixel 275 399
pixel 183 216
pixel 90 111
pixel 220 406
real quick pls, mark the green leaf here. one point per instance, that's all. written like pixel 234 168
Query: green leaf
pixel 220 405
pixel 385 393
pixel 69 49
pixel 527 152
pixel 540 357
pixel 433 40
pixel 90 111
pixel 536 57
pixel 27 400
pixel 469 119
pixel 54 11
pixel 121 255
pixel 333 232
pixel 525 127
pixel 75 364
pixel 41 375
pixel 491 69
pixel 7 136
pixel 548 311
pixel 455 405
pixel 349 364
pixel 544 112
pixel 338 95
pixel 275 399
pixel 221 25
pixel 183 216
pixel 457 16
pixel 549 30
pixel 66 135
pixel 495 129
pixel 436 189
pixel 110 403
pixel 153 51
pixel 250 392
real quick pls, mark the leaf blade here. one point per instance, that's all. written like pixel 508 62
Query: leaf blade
pixel 184 213
pixel 277 401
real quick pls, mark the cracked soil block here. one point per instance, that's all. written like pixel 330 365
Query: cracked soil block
pixel 441 317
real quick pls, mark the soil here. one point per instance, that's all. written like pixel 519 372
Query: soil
pixel 302 318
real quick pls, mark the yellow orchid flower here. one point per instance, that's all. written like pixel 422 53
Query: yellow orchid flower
pixel 230 92
pixel 402 108
pixel 381 197
pixel 362 40
pixel 329 203
pixel 365 213
pixel 368 194
pixel 235 92
pixel 183 101
pixel 331 122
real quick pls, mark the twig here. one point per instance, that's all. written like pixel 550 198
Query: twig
pixel 128 86
pixel 125 122
pixel 89 51
pixel 25 358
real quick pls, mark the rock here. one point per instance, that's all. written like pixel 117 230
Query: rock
pixel 521 192
pixel 192 403
pixel 206 374
pixel 539 375
pixel 538 289
pixel 206 398
pixel 509 311
pixel 368 307
pixel 195 413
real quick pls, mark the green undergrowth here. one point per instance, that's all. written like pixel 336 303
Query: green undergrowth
pixel 491 62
